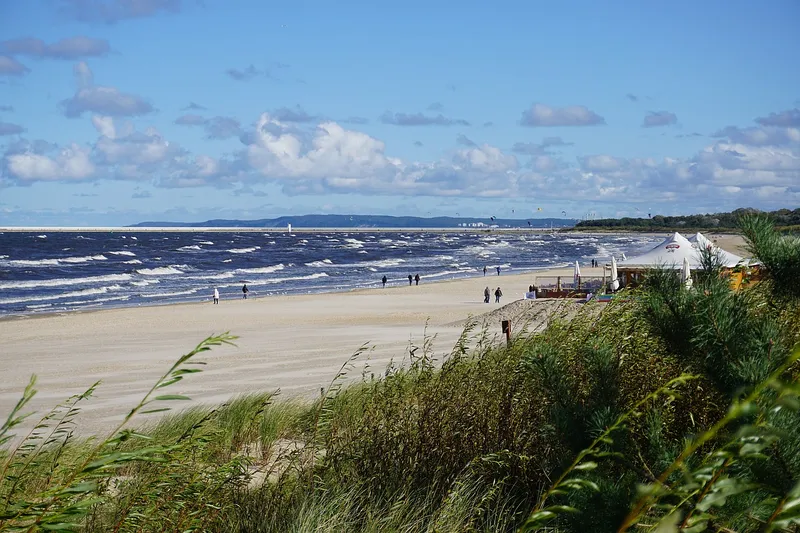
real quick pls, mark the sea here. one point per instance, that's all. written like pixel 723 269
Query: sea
pixel 59 272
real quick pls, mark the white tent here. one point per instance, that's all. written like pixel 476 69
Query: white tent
pixel 671 253
pixel 701 241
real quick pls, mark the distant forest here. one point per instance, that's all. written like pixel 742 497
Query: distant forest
pixel 727 221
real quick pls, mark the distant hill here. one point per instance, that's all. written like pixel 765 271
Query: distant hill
pixel 366 221
pixel 783 218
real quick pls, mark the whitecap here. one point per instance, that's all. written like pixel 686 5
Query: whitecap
pixel 123 252
pixel 75 294
pixel 188 248
pixel 243 250
pixel 60 282
pixel 132 262
pixel 322 263
pixel 261 270
pixel 159 271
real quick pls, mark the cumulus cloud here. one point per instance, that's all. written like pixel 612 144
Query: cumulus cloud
pixel 6 108
pixel 70 48
pixel 754 136
pixel 659 118
pixel 632 97
pixel 112 11
pixel 194 107
pixel 108 101
pixel 70 164
pixel 788 118
pixel 141 195
pixel 11 67
pixel 330 158
pixel 541 115
pixel 419 119
pixel 10 129
pixel 436 106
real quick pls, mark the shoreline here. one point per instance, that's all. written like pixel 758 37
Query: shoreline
pixel 293 343
pixel 207 299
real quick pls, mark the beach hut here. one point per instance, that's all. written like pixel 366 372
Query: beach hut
pixel 671 253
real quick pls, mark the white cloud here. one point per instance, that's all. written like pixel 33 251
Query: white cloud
pixel 541 115
pixel 71 164
pixel 329 158
pixel 104 126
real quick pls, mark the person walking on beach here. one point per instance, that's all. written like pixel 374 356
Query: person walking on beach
pixel 497 294
pixel 245 290
pixel 416 278
pixel 498 270
pixel 383 280
pixel 484 271
pixel 410 279
pixel 487 294
pixel 216 295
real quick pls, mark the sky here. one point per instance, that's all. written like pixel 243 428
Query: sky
pixel 114 112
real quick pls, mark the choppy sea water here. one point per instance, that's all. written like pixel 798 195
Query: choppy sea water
pixel 68 271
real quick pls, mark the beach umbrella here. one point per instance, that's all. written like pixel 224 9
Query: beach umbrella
pixel 577 274
pixel 614 280
pixel 686 273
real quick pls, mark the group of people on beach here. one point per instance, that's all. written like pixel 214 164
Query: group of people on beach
pixel 496 268
pixel 245 290
pixel 411 280
pixel 487 295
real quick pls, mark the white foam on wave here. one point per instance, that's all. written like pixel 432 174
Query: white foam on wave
pixel 243 250
pixel 41 236
pixel 97 301
pixel 61 282
pixel 124 252
pixel 159 271
pixel 261 270
pixel 74 294
pixel 132 262
pixel 209 243
pixel 52 261
pixel 322 263
pixel 221 275
pixel 145 282
pixel 188 248
pixel 352 244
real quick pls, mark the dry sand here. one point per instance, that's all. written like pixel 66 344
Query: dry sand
pixel 292 343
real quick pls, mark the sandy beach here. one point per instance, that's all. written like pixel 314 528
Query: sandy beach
pixel 292 343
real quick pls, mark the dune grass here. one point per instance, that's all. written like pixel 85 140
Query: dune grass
pixel 673 410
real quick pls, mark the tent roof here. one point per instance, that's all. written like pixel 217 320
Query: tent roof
pixel 671 252
pixel 728 259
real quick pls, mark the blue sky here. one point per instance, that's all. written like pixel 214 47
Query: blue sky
pixel 118 111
